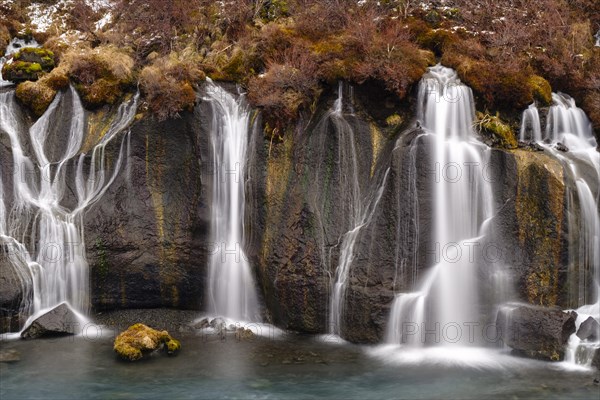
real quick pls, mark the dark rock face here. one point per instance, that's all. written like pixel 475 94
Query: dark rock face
pixel 147 238
pixel 56 322
pixel 589 330
pixel 12 291
pixel 596 359
pixel 536 332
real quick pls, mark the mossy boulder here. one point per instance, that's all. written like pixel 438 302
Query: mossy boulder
pixel 38 95
pixel 140 340
pixel 541 90
pixel 28 64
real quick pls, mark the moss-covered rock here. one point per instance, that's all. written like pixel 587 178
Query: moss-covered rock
pixel 541 90
pixel 502 134
pixel 140 340
pixel 101 75
pixel 28 65
pixel 35 96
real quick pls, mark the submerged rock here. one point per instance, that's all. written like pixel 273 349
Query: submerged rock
pixel 140 340
pixel 8 356
pixel 57 322
pixel 536 332
pixel 589 329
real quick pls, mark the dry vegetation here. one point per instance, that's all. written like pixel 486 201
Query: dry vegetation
pixel 283 52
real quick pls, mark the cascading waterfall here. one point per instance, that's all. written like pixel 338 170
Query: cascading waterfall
pixel 362 206
pixel 447 300
pixel 231 291
pixel 45 237
pixel 567 124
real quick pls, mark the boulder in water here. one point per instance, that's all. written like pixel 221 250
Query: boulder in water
pixel 59 321
pixel 140 340
pixel 536 332
pixel 589 329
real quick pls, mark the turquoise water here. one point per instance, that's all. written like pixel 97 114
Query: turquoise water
pixel 292 367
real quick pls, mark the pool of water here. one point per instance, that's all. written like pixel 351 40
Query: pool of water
pixel 286 367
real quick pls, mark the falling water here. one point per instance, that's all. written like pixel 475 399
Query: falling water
pixel 447 297
pixel 232 291
pixel 362 205
pixel 568 124
pixel 46 238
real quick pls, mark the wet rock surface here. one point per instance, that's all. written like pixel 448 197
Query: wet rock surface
pixel 59 321
pixel 589 330
pixel 536 332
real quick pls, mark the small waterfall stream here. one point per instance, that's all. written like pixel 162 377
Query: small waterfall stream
pixel 232 290
pixel 447 299
pixel 46 240
pixel 568 125
pixel 362 205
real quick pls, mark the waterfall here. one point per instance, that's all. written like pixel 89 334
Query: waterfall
pixel 362 206
pixel 45 236
pixel 231 287
pixel 447 300
pixel 567 124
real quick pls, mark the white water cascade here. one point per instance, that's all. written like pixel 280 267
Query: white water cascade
pixel 44 237
pixel 232 291
pixel 362 207
pixel 567 124
pixel 446 302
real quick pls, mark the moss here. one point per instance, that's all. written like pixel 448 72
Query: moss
pixel 493 125
pixel 173 347
pixel 140 339
pixel 436 40
pixel 393 120
pixel 541 90
pixel 37 96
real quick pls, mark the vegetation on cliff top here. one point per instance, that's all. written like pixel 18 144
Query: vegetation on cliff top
pixel 283 51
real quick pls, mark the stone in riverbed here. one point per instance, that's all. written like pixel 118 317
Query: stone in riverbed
pixel 8 356
pixel 139 340
pixel 589 329
pixel 536 332
pixel 59 321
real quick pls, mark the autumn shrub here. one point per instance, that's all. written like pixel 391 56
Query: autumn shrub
pixel 288 86
pixel 4 38
pixel 387 55
pixel 321 19
pixel 168 85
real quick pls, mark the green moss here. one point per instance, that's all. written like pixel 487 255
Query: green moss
pixel 495 126
pixel 173 346
pixel 541 90
pixel 393 120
